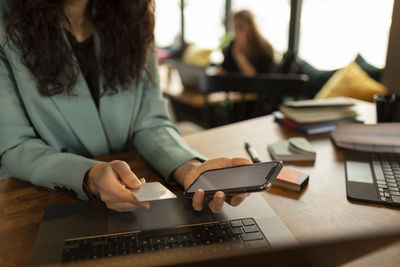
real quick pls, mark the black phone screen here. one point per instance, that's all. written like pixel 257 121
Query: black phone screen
pixel 240 177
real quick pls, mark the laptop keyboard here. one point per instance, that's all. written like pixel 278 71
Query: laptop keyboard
pixel 387 174
pixel 234 234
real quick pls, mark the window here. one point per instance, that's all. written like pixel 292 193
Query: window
pixel 333 31
pixel 272 18
pixel 204 22
pixel 168 22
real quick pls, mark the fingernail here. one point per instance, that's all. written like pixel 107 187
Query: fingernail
pixel 199 195
pixel 220 199
pixel 136 183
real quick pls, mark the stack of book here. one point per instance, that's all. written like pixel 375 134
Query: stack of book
pixel 316 116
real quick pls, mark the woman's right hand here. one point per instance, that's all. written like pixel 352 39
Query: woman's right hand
pixel 242 61
pixel 110 181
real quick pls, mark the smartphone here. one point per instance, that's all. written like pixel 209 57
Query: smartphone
pixel 239 179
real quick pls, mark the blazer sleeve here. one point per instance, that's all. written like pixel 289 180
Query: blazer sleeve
pixel 155 137
pixel 25 155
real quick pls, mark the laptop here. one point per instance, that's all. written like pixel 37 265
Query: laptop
pixel 69 228
pixel 66 223
pixel 189 73
pixel 373 177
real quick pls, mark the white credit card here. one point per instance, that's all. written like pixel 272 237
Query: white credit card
pixel 152 191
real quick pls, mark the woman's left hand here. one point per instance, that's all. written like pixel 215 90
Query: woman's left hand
pixel 189 171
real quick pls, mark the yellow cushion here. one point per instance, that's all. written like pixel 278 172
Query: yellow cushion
pixel 353 82
pixel 197 56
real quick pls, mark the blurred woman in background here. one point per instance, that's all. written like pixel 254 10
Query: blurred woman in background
pixel 249 53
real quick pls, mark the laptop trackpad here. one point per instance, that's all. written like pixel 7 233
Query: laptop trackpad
pixel 359 172
pixel 360 182
pixel 162 214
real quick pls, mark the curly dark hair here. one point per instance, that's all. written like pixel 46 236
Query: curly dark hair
pixel 125 29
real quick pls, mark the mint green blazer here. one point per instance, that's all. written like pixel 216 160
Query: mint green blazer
pixel 36 130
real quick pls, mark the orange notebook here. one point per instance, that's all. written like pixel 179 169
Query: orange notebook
pixel 291 179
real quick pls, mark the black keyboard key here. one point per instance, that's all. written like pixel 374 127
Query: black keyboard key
pixel 252 236
pixel 145 243
pixel 247 222
pixel 396 199
pixel 185 238
pixel 198 236
pixel 250 229
pixel 157 241
pixel 224 232
pixel 378 171
pixel 236 223
pixel 209 227
pixel 172 239
pixel 99 241
pixel 224 225
pixel 211 234
pixel 237 230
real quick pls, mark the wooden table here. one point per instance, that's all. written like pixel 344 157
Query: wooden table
pixel 321 210
pixel 22 206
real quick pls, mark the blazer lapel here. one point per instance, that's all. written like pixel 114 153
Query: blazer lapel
pixel 116 111
pixel 79 110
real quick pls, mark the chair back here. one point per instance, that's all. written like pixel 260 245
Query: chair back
pixel 268 91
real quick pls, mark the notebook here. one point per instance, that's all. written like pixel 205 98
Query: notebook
pixel 381 137
pixel 292 149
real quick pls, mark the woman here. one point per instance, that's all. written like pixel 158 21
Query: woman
pixel 78 79
pixel 249 53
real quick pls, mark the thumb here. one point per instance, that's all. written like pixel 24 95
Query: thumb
pixel 240 161
pixel 128 178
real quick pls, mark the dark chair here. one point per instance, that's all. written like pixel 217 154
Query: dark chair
pixel 260 94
